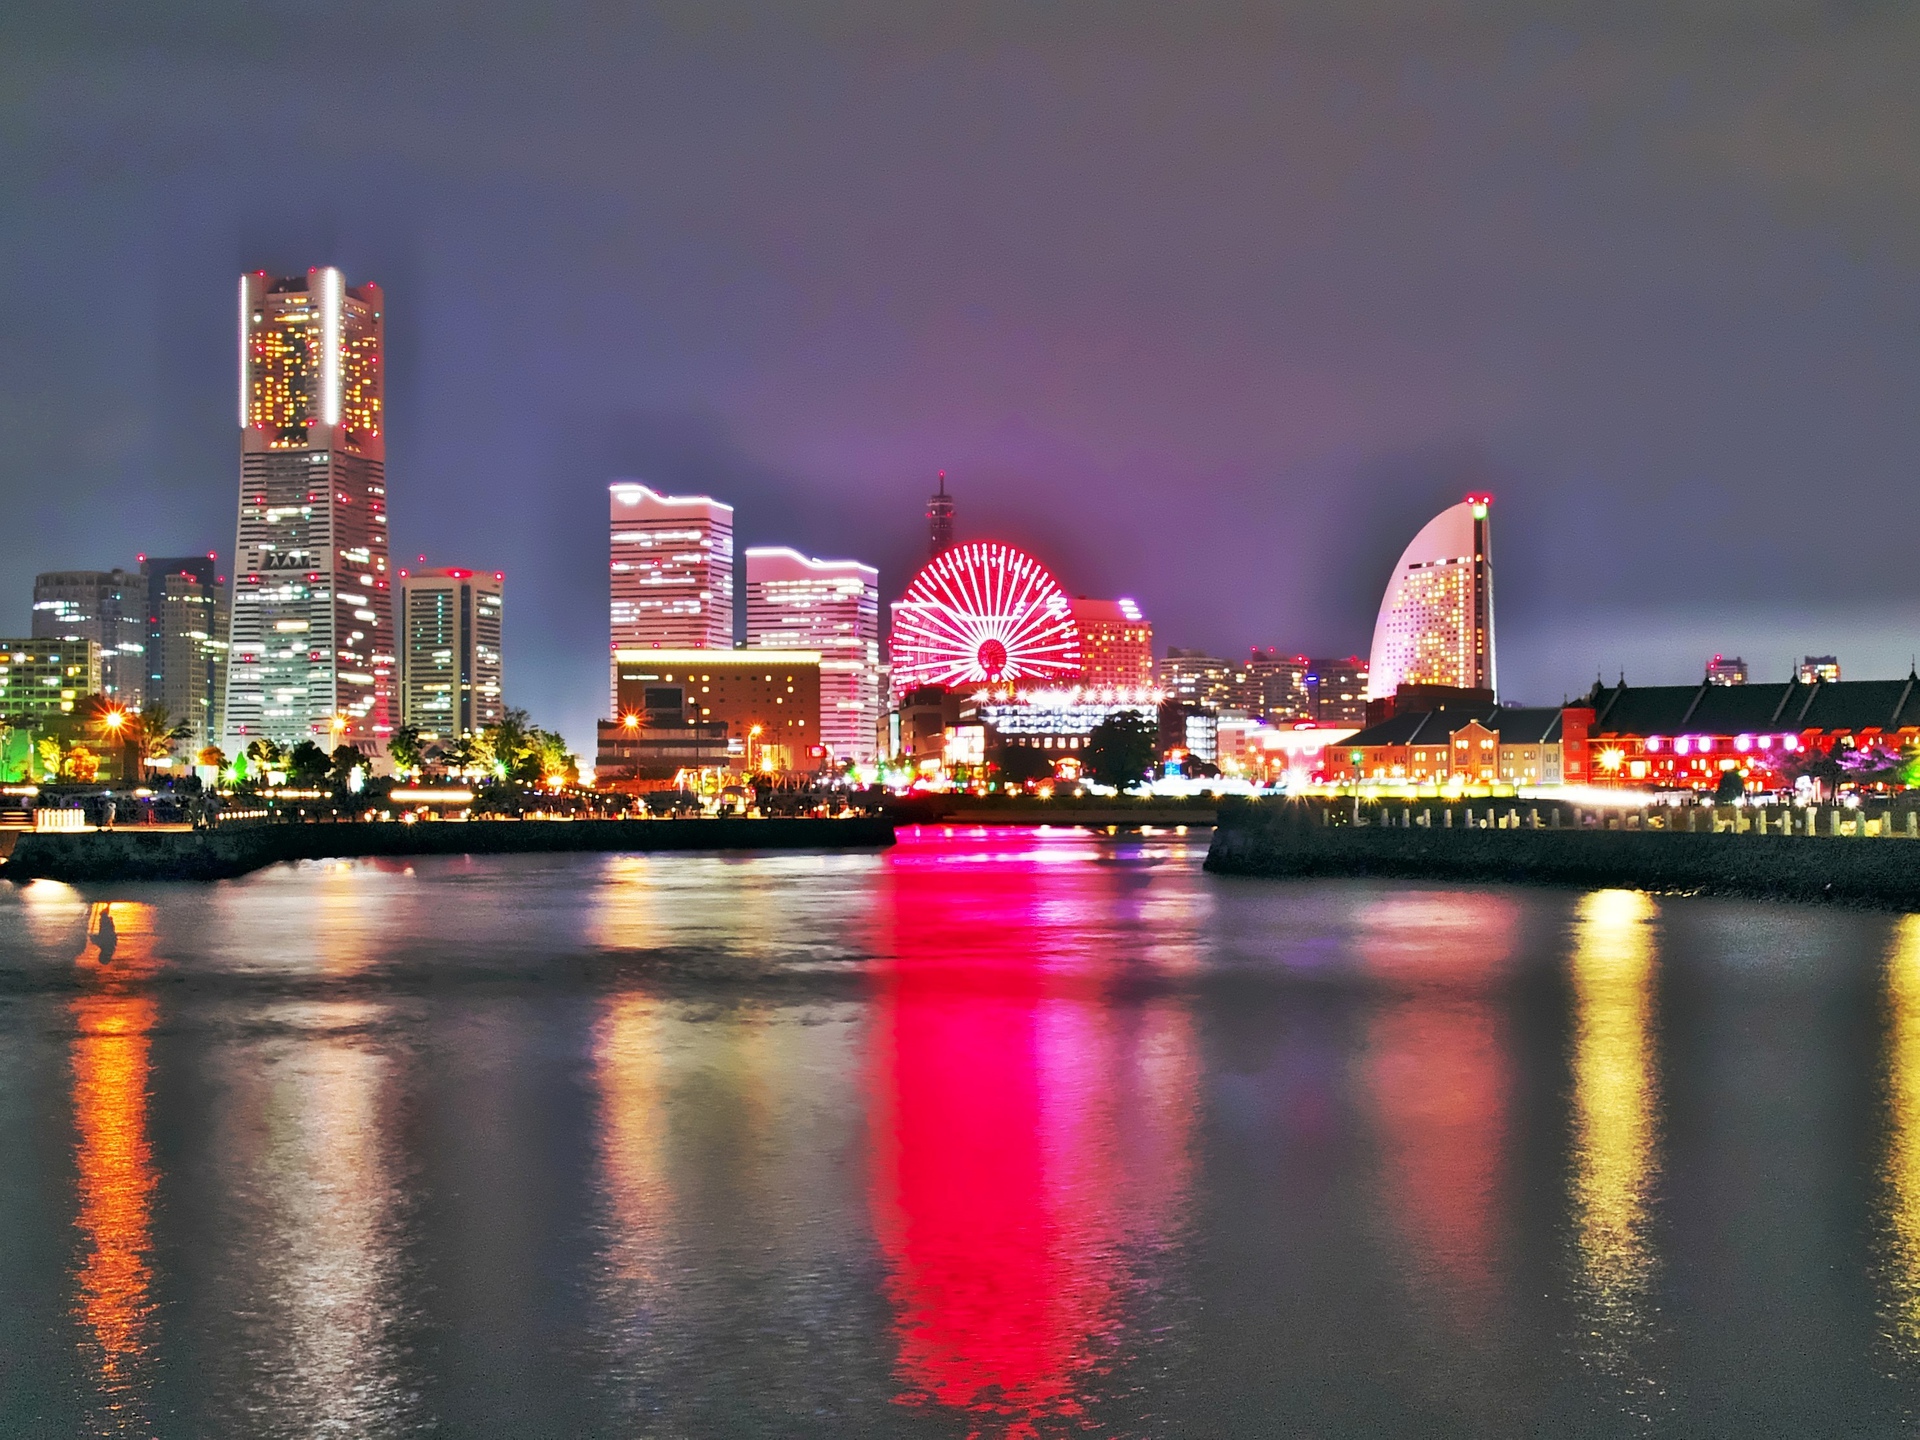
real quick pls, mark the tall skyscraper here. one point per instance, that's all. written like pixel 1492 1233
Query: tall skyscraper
pixel 186 641
pixel 108 607
pixel 831 607
pixel 672 558
pixel 1116 645
pixel 312 640
pixel 450 666
pixel 939 521
pixel 1436 621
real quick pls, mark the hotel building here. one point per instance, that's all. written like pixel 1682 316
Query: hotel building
pixel 1435 625
pixel 672 572
pixel 108 607
pixel 312 647
pixel 450 665
pixel 831 607
pixel 1116 645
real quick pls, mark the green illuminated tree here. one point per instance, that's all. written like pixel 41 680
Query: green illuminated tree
pixel 404 747
pixel 308 764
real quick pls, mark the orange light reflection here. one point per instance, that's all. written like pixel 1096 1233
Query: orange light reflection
pixel 114 1157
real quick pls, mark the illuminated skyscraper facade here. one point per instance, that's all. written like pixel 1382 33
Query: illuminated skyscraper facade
pixel 312 646
pixel 831 607
pixel 1436 622
pixel 1116 645
pixel 450 665
pixel 672 575
pixel 108 607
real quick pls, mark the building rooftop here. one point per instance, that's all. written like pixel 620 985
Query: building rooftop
pixel 1786 707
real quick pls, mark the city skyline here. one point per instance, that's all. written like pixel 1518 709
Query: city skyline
pixel 1209 331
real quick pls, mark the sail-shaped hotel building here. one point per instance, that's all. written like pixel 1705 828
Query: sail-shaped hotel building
pixel 1436 622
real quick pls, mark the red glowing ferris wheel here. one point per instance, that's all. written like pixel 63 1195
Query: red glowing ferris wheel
pixel 984 613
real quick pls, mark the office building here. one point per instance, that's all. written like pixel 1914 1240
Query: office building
pixel 42 682
pixel 311 640
pixel 186 646
pixel 1194 677
pixel 831 607
pixel 939 521
pixel 1116 644
pixel 745 710
pixel 107 607
pixel 44 679
pixel 450 665
pixel 1336 689
pixel 1724 671
pixel 1435 625
pixel 672 571
pixel 1271 685
pixel 1818 667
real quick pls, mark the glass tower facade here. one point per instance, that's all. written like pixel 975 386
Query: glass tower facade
pixel 312 646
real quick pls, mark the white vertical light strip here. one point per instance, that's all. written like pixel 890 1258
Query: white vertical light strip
pixel 331 301
pixel 243 352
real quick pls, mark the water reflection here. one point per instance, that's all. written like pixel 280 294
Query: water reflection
pixel 1615 1098
pixel 114 1161
pixel 1901 1175
pixel 1028 1142
pixel 1439 1076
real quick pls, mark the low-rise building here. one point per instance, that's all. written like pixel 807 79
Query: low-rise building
pixel 767 701
pixel 1687 736
pixel 1481 747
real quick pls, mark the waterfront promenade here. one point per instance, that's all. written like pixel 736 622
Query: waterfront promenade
pixel 1833 853
pixel 156 853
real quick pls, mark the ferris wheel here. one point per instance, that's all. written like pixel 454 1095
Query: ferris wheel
pixel 984 613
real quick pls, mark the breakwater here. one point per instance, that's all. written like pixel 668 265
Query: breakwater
pixel 219 854
pixel 1860 864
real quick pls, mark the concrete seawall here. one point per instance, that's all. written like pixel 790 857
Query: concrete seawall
pixel 1883 873
pixel 133 854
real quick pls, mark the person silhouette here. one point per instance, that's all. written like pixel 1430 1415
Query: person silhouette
pixel 105 935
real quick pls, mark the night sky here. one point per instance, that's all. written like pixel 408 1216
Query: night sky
pixel 1209 305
